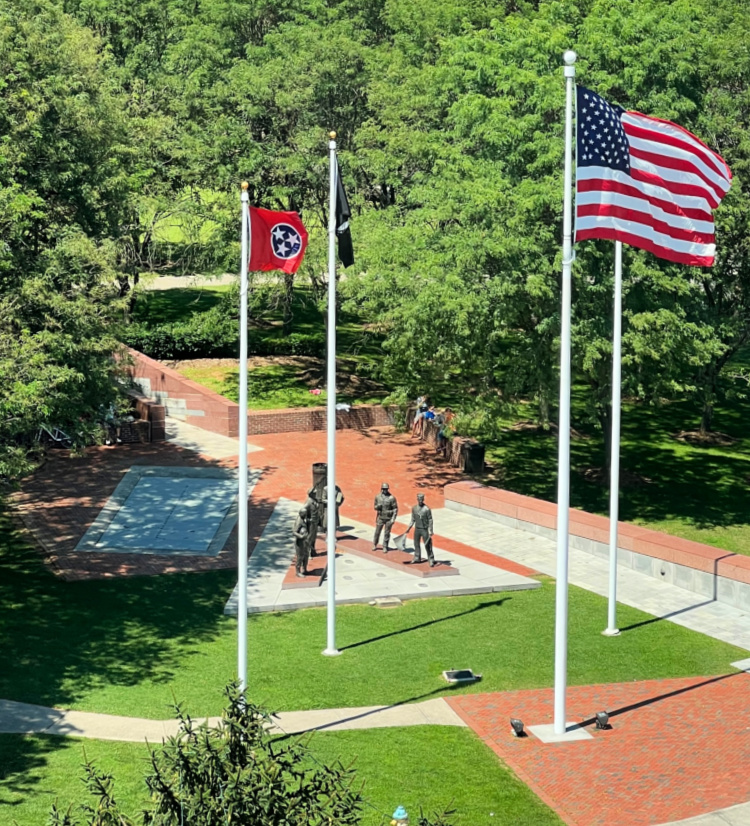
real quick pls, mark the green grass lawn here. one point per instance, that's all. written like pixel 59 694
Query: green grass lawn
pixel 37 771
pixel 154 307
pixel 270 387
pixel 129 646
pixel 700 493
pixel 425 766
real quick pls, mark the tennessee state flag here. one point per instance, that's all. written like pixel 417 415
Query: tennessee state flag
pixel 277 240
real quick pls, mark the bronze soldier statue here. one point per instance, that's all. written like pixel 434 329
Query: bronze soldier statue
pixel 386 508
pixel 301 543
pixel 421 520
pixel 312 508
pixel 324 508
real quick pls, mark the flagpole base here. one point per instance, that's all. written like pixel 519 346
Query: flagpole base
pixel 331 652
pixel 611 632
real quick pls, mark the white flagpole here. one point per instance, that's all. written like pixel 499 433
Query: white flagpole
pixel 563 458
pixel 614 479
pixel 331 650
pixel 242 495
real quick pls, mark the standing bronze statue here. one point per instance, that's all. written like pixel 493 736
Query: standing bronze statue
pixel 312 508
pixel 386 508
pixel 301 543
pixel 421 521
pixel 324 508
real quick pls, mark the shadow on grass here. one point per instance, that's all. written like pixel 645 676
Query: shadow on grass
pixel 427 624
pixel 154 307
pixel 23 761
pixel 62 639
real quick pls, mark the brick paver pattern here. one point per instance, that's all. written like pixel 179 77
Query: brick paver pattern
pixel 61 500
pixel 677 748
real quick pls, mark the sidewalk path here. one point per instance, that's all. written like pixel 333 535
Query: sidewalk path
pixel 668 602
pixel 23 718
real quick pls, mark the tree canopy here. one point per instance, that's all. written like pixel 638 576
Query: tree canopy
pixel 117 116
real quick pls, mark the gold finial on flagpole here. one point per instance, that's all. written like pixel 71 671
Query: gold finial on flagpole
pixel 332 136
pixel 245 185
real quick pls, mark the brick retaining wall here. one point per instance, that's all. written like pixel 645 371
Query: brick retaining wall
pixel 712 572
pixel 461 452
pixel 197 405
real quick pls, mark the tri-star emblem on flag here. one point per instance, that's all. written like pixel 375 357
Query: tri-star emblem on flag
pixel 285 240
pixel 277 240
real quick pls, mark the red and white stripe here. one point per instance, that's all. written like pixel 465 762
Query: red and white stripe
pixel 664 205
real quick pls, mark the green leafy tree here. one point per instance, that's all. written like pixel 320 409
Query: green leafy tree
pixel 61 166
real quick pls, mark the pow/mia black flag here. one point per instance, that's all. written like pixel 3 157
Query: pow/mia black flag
pixel 343 214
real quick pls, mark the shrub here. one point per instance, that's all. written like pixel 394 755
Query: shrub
pixel 296 344
pixel 231 774
pixel 215 334
pixel 206 335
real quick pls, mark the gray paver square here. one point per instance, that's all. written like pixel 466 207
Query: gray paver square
pixel 167 510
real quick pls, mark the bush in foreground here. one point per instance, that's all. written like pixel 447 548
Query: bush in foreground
pixel 231 774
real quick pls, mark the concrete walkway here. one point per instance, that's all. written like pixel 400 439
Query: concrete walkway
pixel 171 282
pixel 732 816
pixel 661 599
pixel 23 718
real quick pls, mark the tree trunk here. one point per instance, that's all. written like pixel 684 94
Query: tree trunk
pixel 288 299
pixel 544 408
pixel 709 397
pixel 707 415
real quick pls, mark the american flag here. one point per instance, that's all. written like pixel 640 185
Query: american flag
pixel 646 182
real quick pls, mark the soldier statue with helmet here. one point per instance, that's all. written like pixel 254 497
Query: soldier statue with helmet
pixel 386 508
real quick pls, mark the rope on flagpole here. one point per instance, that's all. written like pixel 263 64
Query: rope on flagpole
pixel 614 482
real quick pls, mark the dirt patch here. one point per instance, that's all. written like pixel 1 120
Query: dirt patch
pixel 308 370
pixel 628 479
pixel 526 426
pixel 711 439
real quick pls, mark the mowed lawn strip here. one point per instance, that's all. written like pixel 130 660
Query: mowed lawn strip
pixel 422 766
pixel 130 646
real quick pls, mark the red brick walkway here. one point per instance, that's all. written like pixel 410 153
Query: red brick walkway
pixel 677 748
pixel 61 500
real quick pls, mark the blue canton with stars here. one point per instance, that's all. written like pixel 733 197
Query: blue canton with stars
pixel 285 241
pixel 601 139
